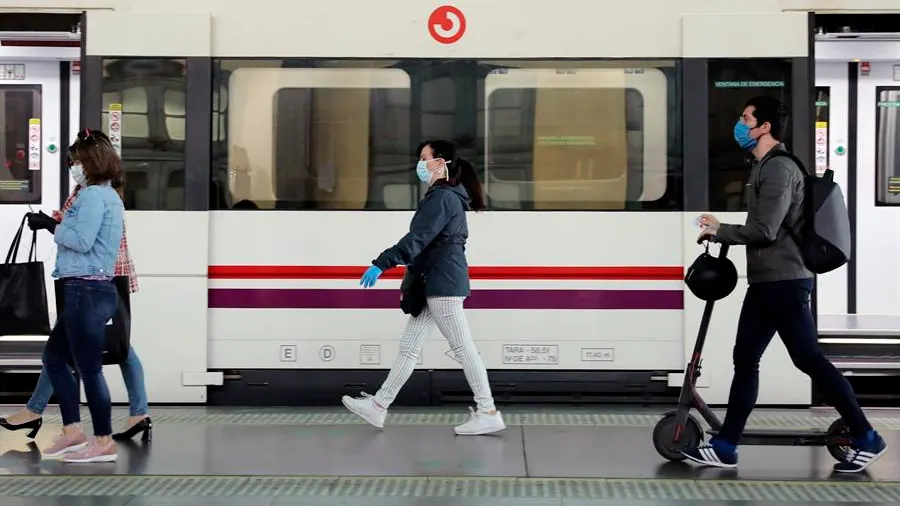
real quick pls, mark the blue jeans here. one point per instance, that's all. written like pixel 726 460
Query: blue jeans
pixel 80 335
pixel 132 373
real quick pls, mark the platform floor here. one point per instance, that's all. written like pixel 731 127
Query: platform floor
pixel 328 457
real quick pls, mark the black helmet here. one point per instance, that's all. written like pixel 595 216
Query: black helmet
pixel 711 278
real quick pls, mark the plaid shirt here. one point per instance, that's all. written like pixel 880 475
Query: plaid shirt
pixel 124 265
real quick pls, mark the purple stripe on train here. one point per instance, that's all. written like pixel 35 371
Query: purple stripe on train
pixel 294 298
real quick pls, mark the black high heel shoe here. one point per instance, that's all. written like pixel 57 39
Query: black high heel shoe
pixel 144 427
pixel 34 425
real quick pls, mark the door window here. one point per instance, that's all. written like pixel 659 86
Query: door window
pixel 887 145
pixel 20 144
pixel 731 83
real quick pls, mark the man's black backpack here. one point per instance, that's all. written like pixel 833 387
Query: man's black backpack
pixel 824 236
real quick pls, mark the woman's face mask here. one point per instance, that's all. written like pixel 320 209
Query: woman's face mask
pixel 422 170
pixel 77 171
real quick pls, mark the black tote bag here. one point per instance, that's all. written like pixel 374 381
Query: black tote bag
pixel 23 292
pixel 118 331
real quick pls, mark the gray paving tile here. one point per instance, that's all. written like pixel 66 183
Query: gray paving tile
pixel 405 489
pixel 285 450
pixel 414 501
pixel 627 452
pixel 593 416
pixel 664 502
pixel 64 501
pixel 200 501
pixel 281 450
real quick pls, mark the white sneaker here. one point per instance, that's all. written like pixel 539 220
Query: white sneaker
pixel 481 423
pixel 365 408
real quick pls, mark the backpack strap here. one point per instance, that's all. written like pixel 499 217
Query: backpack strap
pixel 774 153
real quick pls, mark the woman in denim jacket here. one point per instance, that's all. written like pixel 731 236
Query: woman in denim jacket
pixel 30 417
pixel 87 240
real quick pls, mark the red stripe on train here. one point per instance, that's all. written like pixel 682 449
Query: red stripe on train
pixel 478 272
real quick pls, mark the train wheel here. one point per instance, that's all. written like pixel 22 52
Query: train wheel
pixel 839 439
pixel 664 437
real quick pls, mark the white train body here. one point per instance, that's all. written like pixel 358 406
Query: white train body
pixel 589 281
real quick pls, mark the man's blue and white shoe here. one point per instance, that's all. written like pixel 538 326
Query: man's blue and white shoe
pixel 863 454
pixel 715 453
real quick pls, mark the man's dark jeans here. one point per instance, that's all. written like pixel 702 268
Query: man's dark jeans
pixel 783 307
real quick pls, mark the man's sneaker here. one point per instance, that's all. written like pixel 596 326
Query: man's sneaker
pixel 714 453
pixel 365 408
pixel 64 444
pixel 95 452
pixel 481 423
pixel 862 454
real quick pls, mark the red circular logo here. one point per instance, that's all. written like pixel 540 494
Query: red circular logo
pixel 446 24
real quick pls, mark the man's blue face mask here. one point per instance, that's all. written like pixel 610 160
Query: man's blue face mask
pixel 742 135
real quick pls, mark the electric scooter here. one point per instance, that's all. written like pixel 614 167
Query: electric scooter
pixel 678 430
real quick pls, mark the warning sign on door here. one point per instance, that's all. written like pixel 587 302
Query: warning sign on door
pixel 821 146
pixel 34 144
pixel 115 127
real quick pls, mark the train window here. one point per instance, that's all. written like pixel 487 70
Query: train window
pixel 578 138
pixel 151 96
pixel 887 146
pixel 731 83
pixel 318 138
pixel 337 134
pixel 20 149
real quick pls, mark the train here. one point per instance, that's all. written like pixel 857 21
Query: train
pixel 269 154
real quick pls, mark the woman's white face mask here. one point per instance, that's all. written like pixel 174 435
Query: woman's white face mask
pixel 77 171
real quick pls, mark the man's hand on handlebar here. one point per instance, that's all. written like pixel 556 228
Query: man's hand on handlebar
pixel 707 234
pixel 709 225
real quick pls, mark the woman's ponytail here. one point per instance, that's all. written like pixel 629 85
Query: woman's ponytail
pixel 469 179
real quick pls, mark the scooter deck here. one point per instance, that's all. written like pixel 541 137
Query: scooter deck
pixel 781 437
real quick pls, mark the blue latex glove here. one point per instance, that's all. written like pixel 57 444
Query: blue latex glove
pixel 370 276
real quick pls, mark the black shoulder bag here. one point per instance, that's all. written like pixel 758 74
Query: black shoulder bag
pixel 412 288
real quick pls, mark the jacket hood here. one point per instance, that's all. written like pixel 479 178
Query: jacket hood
pixel 458 190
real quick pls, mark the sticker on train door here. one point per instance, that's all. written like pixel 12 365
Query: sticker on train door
pixel 821 146
pixel 115 127
pixel 34 144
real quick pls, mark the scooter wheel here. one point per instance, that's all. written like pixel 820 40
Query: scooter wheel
pixel 839 439
pixel 664 436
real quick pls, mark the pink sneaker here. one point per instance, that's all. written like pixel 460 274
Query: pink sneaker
pixel 95 452
pixel 66 444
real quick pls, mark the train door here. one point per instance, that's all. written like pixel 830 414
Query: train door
pixel 878 187
pixel 857 136
pixel 857 119
pixel 38 114
pixel 731 83
pixel 29 147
